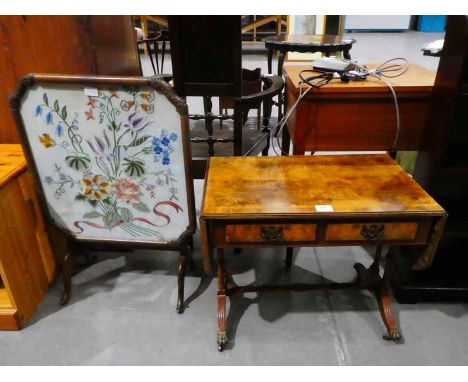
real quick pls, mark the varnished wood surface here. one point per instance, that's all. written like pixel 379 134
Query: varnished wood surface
pixel 61 44
pixel 416 79
pixel 354 231
pixel 242 187
pixel 27 264
pixel 12 162
pixel 359 115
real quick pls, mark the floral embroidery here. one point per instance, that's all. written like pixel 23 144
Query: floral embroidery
pixel 95 187
pixel 109 168
pixel 46 140
pixel 162 146
pixel 126 190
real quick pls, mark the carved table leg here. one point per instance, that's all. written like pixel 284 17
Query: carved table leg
pixel 67 266
pixel 289 257
pixel 221 339
pixel 382 293
pixel 371 280
pixel 181 279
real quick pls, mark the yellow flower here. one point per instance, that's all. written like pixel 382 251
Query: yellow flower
pixel 46 140
pixel 95 187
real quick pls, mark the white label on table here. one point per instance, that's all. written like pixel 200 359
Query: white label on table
pixel 323 208
pixel 91 92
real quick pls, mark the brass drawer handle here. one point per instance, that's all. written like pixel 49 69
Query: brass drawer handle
pixel 373 232
pixel 272 233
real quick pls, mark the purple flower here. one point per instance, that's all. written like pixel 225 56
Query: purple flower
pixel 48 180
pixel 101 147
pixel 136 123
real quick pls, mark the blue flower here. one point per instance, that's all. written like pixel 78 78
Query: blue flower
pixel 156 141
pixel 166 160
pixel 173 136
pixel 58 129
pixel 48 118
pixel 165 141
pixel 38 110
pixel 157 149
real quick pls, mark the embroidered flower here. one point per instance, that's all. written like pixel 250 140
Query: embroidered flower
pixel 162 146
pixel 102 148
pixel 136 123
pixel 126 105
pixel 91 101
pixel 149 108
pixel 48 118
pixel 89 114
pixel 38 110
pixel 126 190
pixel 46 140
pixel 59 130
pixel 148 96
pixel 95 187
pixel 49 179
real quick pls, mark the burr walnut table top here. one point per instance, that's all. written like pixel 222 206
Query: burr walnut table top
pixel 245 187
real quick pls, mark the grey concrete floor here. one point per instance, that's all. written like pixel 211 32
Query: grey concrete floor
pixel 122 311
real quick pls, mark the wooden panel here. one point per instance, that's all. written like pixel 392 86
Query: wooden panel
pixel 9 319
pixel 359 115
pixel 45 250
pixel 5 301
pixel 12 162
pixel 282 186
pixel 270 232
pixel 62 45
pixel 371 231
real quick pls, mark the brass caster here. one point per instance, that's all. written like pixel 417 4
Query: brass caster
pixel 221 340
pixel 393 335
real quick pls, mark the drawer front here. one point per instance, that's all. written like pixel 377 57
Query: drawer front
pixel 251 233
pixel 371 231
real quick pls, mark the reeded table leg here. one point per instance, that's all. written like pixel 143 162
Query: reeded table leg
pixel 221 339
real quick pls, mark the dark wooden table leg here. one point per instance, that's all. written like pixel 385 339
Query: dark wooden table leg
pixel 66 268
pixel 346 54
pixel 289 257
pixel 270 61
pixel 221 338
pixel 181 278
pixel 285 141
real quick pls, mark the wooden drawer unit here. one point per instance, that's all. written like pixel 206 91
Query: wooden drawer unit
pixel 259 233
pixel 372 231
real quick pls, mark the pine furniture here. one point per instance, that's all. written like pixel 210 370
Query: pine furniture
pixel 27 265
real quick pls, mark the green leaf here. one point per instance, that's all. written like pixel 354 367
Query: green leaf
pixel 139 141
pixel 46 100
pixel 126 214
pixel 134 168
pixel 56 106
pixel 64 112
pixel 92 202
pixel 107 201
pixel 78 161
pixel 142 207
pixel 80 197
pixel 91 215
pixel 110 219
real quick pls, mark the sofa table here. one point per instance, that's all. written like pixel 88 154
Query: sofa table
pixel 306 201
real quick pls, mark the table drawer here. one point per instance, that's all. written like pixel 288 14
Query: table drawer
pixel 371 231
pixel 253 233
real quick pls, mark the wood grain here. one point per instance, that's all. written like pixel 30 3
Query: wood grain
pixel 391 231
pixel 359 115
pixel 240 187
